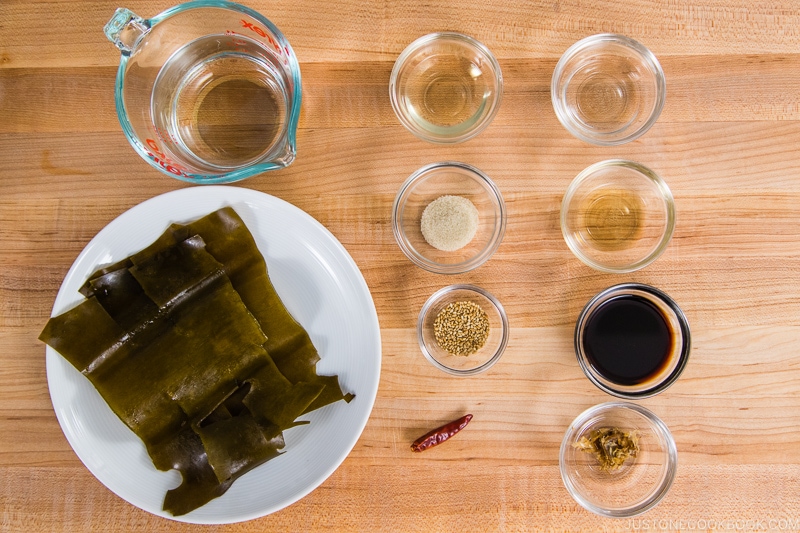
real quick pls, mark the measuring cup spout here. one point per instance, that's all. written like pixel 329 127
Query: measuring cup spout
pixel 126 29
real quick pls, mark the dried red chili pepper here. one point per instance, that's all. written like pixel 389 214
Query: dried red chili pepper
pixel 441 434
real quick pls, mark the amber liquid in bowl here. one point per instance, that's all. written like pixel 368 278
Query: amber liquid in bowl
pixel 612 219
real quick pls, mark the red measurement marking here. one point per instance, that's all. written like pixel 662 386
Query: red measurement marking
pixel 165 162
pixel 260 32
pixel 240 45
pixel 164 135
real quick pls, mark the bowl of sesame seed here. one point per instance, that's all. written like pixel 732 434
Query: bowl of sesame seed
pixel 448 217
pixel 462 330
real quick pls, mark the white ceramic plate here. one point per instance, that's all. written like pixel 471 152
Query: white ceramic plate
pixel 322 288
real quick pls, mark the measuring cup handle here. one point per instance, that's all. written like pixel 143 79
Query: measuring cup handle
pixel 125 29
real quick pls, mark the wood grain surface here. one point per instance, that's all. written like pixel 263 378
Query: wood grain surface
pixel 727 143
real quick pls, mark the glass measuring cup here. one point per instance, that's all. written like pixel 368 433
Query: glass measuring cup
pixel 207 91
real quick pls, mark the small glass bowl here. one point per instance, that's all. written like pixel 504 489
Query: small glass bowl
pixel 674 363
pixel 608 89
pixel 446 87
pixel 636 486
pixel 442 179
pixel 617 216
pixel 463 365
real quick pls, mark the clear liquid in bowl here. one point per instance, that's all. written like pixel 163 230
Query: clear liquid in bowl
pixel 444 92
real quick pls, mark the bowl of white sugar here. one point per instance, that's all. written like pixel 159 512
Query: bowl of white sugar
pixel 448 217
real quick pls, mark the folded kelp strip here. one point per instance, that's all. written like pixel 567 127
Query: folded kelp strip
pixel 189 344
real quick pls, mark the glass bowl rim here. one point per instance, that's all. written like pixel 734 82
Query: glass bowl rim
pixel 415 47
pixel 670 451
pixel 666 196
pixel 493 301
pixel 648 58
pixel 464 266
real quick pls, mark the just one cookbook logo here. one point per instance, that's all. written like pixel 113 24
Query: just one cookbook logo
pixel 713 524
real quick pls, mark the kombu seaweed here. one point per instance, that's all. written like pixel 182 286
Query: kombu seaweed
pixel 190 345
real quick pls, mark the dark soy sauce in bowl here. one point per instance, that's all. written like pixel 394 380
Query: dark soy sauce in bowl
pixel 632 340
pixel 628 340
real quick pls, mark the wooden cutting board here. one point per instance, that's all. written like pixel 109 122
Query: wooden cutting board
pixel 727 144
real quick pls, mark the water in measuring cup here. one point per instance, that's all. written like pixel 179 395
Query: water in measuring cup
pixel 220 102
